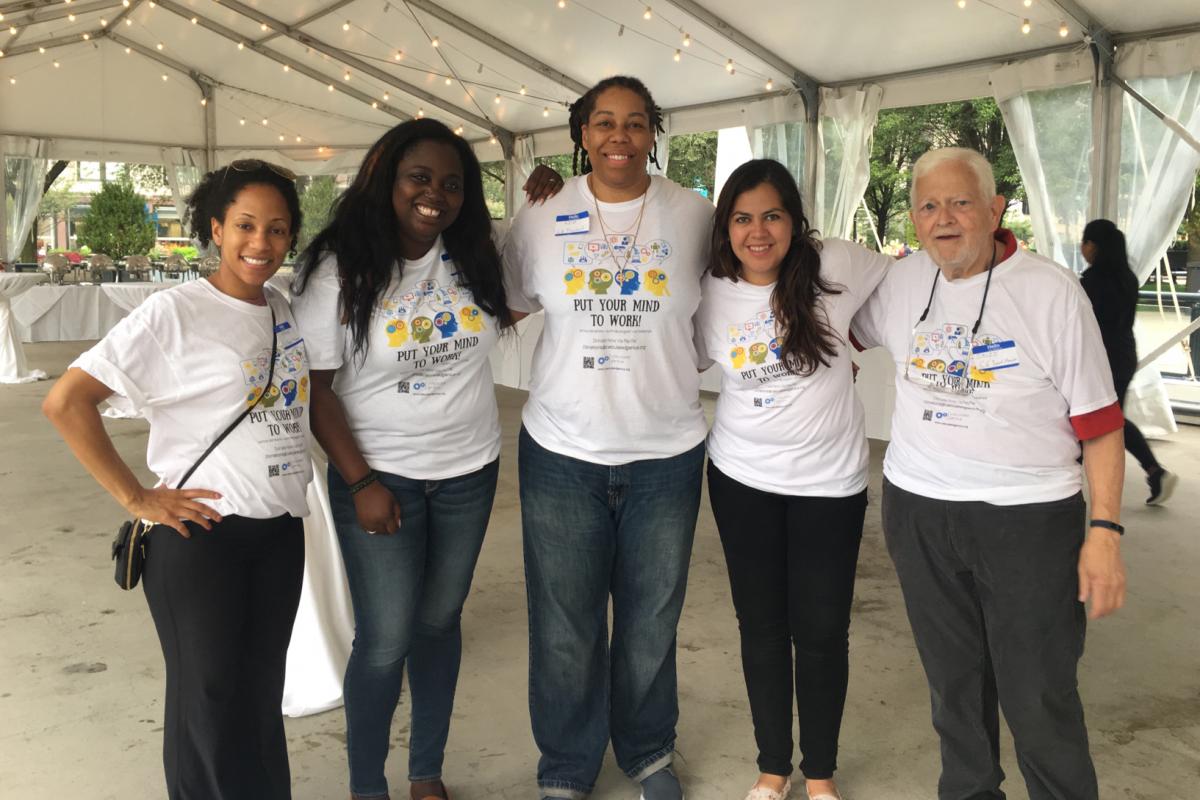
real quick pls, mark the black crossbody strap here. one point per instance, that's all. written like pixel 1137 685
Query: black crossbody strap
pixel 251 407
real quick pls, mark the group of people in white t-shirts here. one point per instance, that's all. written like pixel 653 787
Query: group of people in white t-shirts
pixel 1001 383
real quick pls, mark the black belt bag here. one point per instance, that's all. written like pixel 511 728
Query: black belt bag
pixel 129 547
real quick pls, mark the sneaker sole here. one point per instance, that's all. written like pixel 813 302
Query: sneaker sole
pixel 1170 481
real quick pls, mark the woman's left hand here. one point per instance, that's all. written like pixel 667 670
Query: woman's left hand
pixel 543 184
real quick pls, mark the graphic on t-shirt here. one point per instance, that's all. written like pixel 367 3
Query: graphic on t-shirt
pixel 629 281
pixel 302 392
pixel 422 329
pixel 277 421
pixel 446 324
pixel 758 353
pixel 750 345
pixel 737 357
pixel 600 280
pixel 656 282
pixel 574 280
pixel 397 332
pixel 944 357
pixel 472 318
pixel 776 346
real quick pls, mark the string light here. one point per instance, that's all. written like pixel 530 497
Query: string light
pixel 263 27
pixel 164 76
pixel 420 113
pixel 729 65
pixel 678 54
pixel 346 75
pixel 125 3
pixel 374 104
pixel 1028 3
pixel 524 91
pixel 264 122
pixel 497 100
pixel 435 41
pixel 195 20
pixel 770 84
pixel 962 3
pixel 12 29
pixel 562 3
pixel 56 64
pixel 346 25
pixel 42 50
pixel 241 45
pixel 687 40
pixel 1025 26
pixel 128 50
pixel 281 137
pixel 128 22
pixel 203 101
pixel 103 23
pixel 449 80
pixel 330 87
pixel 545 111
pixel 159 45
pixel 647 14
pixel 298 139
pixel 387 96
pixel 70 18
pixel 242 121
pixel 459 130
pixel 399 55
pixel 1063 30
pixel 87 36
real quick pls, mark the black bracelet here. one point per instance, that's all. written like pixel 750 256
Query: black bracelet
pixel 367 480
pixel 1107 524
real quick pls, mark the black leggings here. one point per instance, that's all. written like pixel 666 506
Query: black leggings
pixel 223 603
pixel 792 562
pixel 1135 443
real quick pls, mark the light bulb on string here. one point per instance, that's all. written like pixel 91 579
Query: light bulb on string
pixel 962 3
pixel 1063 30
pixel 195 20
pixel 399 55
pixel 678 54
pixel 562 3
pixel 729 65
pixel 524 91
pixel 103 23
pixel 420 113
pixel 449 80
pixel 346 75
pixel 128 50
pixel 1026 27
pixel 203 101
pixel 647 14
pixel 241 45
pixel 242 121
pixel 87 36
pixel 1028 3
pixel 435 41
pixel 770 84
pixel 57 65
pixel 330 87
pixel 687 40
pixel 346 25
pixel 387 96
pixel 545 111
pixel 497 100
pixel 264 122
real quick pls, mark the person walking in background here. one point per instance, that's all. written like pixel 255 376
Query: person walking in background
pixel 1113 289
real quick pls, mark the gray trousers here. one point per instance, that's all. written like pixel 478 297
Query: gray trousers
pixel 991 593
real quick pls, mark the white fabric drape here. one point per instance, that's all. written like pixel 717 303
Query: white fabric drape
pixel 1158 169
pixel 183 174
pixel 25 166
pixel 847 125
pixel 523 164
pixel 1047 108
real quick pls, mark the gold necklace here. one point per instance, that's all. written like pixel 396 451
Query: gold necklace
pixel 604 231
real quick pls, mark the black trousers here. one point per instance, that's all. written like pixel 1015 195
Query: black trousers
pixel 1135 443
pixel 223 603
pixel 992 596
pixel 792 562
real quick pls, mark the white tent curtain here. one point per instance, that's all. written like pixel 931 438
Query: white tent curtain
pixel 1158 169
pixel 183 174
pixel 1047 108
pixel 847 123
pixel 523 164
pixel 25 166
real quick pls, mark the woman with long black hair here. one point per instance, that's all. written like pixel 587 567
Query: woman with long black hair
pixel 401 301
pixel 787 469
pixel 1113 289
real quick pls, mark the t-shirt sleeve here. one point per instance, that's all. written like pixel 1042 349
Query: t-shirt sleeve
pixel 319 317
pixel 1078 362
pixel 519 266
pixel 863 270
pixel 132 361
pixel 868 326
pixel 704 358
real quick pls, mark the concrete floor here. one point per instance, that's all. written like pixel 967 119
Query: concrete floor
pixel 81 672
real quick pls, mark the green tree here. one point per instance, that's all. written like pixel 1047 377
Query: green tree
pixel 693 161
pixel 493 188
pixel 117 224
pixel 317 195
pixel 148 177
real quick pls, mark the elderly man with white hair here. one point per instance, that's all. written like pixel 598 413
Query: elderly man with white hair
pixel 1001 381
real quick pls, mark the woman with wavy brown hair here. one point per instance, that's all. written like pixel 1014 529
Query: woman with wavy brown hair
pixel 787 469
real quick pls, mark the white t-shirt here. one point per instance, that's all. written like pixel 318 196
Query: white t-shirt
pixel 422 404
pixel 774 430
pixel 1036 361
pixel 189 360
pixel 614 372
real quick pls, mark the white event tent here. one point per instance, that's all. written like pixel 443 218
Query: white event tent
pixel 1101 97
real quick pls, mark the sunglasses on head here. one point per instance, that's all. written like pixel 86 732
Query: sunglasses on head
pixel 255 164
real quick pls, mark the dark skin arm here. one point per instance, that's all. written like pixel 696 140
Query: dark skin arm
pixel 377 508
pixel 543 184
pixel 73 407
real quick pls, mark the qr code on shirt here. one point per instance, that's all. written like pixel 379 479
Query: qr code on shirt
pixel 272 470
pixel 589 362
pixel 927 415
pixel 758 402
pixel 402 388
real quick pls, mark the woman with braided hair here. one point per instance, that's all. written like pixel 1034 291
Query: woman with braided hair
pixel 612 445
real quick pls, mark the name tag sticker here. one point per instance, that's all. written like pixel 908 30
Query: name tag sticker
pixel 994 356
pixel 567 224
pixel 282 326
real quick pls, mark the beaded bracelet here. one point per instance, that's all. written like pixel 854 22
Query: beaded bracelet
pixel 370 478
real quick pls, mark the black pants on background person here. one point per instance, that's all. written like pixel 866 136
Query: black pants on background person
pixel 223 602
pixel 1135 443
pixel 992 595
pixel 792 562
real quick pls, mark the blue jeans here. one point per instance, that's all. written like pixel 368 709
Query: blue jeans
pixel 408 591
pixel 590 531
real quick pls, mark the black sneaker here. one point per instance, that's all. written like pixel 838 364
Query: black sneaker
pixel 662 785
pixel 1162 485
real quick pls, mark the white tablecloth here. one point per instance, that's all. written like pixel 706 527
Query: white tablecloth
pixel 324 629
pixel 74 313
pixel 13 367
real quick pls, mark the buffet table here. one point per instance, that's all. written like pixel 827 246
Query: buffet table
pixel 77 312
pixel 13 367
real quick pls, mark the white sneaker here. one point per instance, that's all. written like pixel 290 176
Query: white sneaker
pixel 763 793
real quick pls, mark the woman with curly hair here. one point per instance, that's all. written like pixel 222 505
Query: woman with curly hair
pixel 401 301
pixel 225 558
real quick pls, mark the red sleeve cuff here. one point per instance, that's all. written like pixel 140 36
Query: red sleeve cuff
pixel 857 345
pixel 1097 423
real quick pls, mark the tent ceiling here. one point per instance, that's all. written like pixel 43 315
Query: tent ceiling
pixel 485 49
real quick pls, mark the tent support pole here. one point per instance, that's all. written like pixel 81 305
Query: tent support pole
pixel 3 202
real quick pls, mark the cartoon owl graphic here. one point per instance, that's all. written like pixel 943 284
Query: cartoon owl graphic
pixel 573 278
pixel 288 388
pixel 630 281
pixel 472 318
pixel 776 347
pixel 422 329
pixel 446 323
pixel 397 332
pixel 600 280
pixel 302 392
pixel 758 353
pixel 737 357
pixel 656 282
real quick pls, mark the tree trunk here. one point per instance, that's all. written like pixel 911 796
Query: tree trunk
pixel 29 251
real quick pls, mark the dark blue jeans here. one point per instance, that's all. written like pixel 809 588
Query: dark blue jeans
pixel 408 591
pixel 590 531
